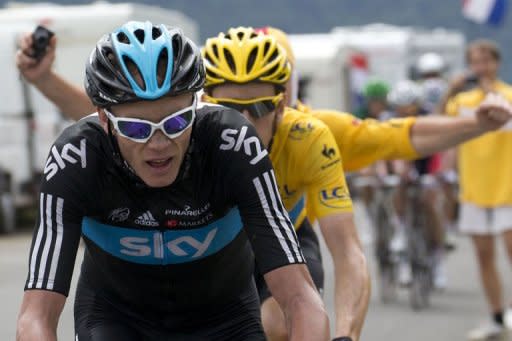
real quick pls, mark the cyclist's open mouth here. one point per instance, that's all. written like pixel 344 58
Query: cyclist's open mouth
pixel 160 163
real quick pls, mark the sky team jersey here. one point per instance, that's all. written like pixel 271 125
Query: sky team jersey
pixel 362 142
pixel 191 243
pixel 307 162
pixel 485 163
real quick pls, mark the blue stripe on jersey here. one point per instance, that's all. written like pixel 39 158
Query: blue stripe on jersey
pixel 163 247
pixel 295 211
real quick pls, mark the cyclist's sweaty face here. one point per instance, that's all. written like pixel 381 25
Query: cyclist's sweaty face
pixel 157 161
pixel 266 125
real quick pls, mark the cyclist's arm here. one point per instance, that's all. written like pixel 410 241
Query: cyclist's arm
pixel 329 200
pixel 71 100
pixel 63 200
pixel 436 133
pixel 39 315
pixel 363 142
pixel 293 289
pixel 352 286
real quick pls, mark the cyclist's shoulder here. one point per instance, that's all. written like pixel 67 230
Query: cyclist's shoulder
pixel 78 150
pixel 301 126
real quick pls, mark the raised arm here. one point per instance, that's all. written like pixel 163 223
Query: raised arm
pixel 71 100
pixel 436 133
pixel 39 315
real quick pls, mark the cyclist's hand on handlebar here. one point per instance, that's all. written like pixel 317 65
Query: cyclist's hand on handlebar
pixel 493 112
pixel 31 68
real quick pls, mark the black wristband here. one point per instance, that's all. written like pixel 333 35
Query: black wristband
pixel 342 338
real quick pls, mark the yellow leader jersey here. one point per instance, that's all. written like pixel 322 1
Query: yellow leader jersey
pixel 362 142
pixel 307 162
pixel 485 163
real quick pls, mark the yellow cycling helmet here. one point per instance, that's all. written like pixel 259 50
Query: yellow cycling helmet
pixel 282 39
pixel 243 55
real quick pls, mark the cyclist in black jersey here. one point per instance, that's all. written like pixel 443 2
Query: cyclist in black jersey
pixel 174 201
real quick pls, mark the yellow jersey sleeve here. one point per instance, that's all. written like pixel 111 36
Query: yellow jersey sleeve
pixel 362 142
pixel 326 190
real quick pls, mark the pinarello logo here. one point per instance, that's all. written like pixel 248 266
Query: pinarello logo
pixel 172 223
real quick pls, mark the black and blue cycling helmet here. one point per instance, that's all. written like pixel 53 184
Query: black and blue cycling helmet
pixel 142 61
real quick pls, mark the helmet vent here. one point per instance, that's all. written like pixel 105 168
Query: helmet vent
pixel 266 47
pixel 240 35
pixel 230 60
pixel 215 51
pixel 156 32
pixel 176 48
pixel 251 59
pixel 274 55
pixel 139 34
pixel 134 71
pixel 162 66
pixel 271 71
pixel 123 38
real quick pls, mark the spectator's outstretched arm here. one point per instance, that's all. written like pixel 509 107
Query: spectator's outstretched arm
pixel 435 133
pixel 71 100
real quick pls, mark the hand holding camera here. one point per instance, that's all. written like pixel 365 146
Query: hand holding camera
pixel 40 41
pixel 36 53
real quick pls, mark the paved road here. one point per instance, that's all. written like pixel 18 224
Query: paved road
pixel 453 312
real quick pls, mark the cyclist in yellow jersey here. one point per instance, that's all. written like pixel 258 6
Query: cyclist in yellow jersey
pixel 247 71
pixel 362 141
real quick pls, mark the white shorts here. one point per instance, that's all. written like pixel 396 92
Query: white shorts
pixel 484 221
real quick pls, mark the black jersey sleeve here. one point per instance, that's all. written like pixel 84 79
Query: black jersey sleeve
pixel 63 201
pixel 249 178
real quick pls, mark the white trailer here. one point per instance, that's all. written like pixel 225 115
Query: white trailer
pixel 78 28
pixel 324 60
pixel 393 50
pixel 321 66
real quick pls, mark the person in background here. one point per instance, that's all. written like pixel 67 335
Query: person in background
pixel 485 168
pixel 376 105
pixel 430 68
pixel 406 99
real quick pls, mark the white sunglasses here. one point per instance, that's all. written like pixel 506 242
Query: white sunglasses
pixel 142 130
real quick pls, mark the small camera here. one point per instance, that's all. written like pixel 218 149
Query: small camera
pixel 40 41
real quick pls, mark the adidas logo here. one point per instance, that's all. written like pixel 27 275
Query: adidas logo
pixel 146 219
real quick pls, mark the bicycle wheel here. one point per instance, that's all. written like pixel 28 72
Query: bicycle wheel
pixel 387 269
pixel 419 255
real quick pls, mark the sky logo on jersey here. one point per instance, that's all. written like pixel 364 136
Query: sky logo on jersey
pixel 163 247
pixel 252 145
pixel 56 159
pixel 337 197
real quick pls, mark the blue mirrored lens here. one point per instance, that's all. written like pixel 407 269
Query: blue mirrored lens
pixel 135 130
pixel 177 123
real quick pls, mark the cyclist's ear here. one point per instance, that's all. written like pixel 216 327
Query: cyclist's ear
pixel 281 106
pixel 103 119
